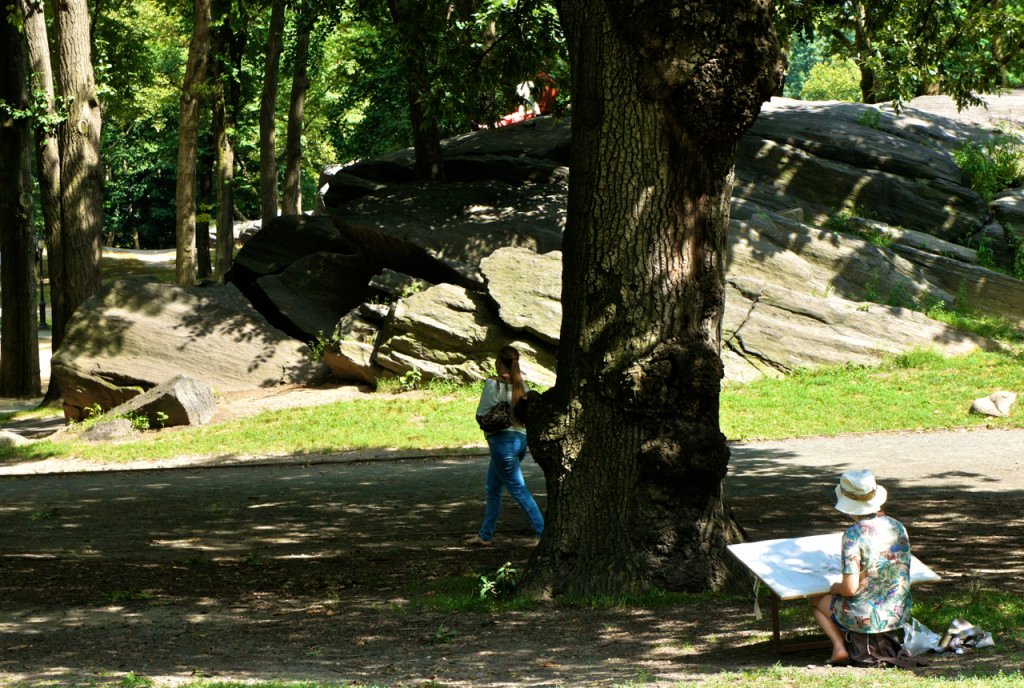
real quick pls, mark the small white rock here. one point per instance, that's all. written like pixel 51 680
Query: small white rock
pixel 997 404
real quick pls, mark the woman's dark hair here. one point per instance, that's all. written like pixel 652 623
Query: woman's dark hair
pixel 509 357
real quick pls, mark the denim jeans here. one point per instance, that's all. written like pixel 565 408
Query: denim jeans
pixel 507 449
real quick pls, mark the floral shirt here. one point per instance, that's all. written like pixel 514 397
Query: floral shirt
pixel 880 547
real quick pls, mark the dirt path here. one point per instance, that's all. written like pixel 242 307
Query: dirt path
pixel 306 571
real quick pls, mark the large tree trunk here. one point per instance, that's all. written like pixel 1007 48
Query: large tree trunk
pixel 230 46
pixel 426 137
pixel 292 201
pixel 47 156
pixel 188 144
pixel 77 255
pixel 19 335
pixel 629 437
pixel 268 107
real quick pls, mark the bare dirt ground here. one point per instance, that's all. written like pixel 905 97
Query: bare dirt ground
pixel 318 568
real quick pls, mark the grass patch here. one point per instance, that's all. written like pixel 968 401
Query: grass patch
pixel 918 390
pixel 45 412
pixel 992 326
pixel 789 677
pixel 999 613
pixel 378 422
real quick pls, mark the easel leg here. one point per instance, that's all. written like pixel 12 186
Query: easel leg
pixel 776 633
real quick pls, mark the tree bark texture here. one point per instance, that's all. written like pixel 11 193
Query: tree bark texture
pixel 426 137
pixel 629 437
pixel 47 157
pixel 268 108
pixel 228 51
pixel 188 145
pixel 19 336
pixel 292 200
pixel 77 255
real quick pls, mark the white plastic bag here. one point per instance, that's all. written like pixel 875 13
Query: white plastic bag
pixel 918 639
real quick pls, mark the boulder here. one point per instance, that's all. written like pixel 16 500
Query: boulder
pixel 822 263
pixel 974 286
pixel 342 187
pixel 511 169
pixel 527 287
pixel 912 238
pixel 774 330
pixel 12 439
pixel 182 400
pixel 392 285
pixel 449 332
pixel 997 404
pixel 313 293
pixel 281 242
pixel 350 356
pixel 137 332
pixel 110 429
pixel 441 232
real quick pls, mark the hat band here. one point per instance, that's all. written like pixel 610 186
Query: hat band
pixel 858 497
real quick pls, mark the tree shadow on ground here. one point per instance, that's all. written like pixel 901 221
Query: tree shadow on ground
pixel 347 572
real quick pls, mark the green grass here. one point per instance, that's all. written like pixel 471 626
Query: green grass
pixel 789 677
pixel 918 390
pixel 420 421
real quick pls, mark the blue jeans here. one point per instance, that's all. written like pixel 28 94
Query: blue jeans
pixel 507 449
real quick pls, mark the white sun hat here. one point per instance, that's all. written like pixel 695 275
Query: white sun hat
pixel 858 494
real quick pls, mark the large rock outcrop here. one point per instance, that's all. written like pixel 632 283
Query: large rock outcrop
pixel 136 333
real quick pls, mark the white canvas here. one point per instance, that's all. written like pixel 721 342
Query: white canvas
pixel 802 567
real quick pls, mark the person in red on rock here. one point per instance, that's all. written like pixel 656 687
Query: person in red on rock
pixel 543 105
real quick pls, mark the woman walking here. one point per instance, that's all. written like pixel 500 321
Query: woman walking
pixel 507 446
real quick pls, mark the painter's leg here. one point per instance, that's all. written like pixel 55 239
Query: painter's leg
pixel 821 607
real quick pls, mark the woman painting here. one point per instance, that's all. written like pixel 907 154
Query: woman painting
pixel 874 593
pixel 507 447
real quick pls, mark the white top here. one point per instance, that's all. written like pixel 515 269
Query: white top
pixel 495 392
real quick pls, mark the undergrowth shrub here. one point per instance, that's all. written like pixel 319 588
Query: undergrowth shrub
pixel 992 166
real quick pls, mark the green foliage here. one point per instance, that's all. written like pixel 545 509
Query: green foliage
pixel 410 380
pixel 992 166
pixel 985 255
pixel 907 45
pixel 315 349
pixel 502 585
pixel 839 222
pixel 870 118
pixel 833 79
pixel 1017 244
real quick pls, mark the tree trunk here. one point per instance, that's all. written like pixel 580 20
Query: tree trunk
pixel 47 157
pixel 629 437
pixel 862 46
pixel 19 332
pixel 426 137
pixel 230 46
pixel 77 254
pixel 292 204
pixel 203 267
pixel 268 107
pixel 188 143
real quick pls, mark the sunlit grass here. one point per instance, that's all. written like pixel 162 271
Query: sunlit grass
pixel 418 421
pixel 915 391
pixel 791 677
